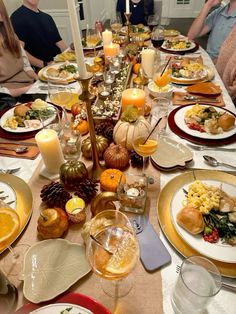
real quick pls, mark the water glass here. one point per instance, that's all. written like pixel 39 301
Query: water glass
pixel 160 109
pixel 199 280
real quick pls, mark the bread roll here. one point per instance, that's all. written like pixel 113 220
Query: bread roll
pixel 21 110
pixel 226 121
pixel 190 219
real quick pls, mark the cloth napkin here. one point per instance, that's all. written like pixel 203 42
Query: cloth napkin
pixel 177 99
pixel 31 153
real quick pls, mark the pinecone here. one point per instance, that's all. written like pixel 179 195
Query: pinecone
pixel 105 129
pixel 136 159
pixel 54 195
pixel 86 189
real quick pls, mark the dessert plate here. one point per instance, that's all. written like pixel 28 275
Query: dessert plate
pixel 218 251
pixel 171 154
pixel 51 267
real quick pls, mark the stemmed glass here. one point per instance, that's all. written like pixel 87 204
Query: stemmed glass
pixel 153 21
pixel 144 143
pixel 116 24
pixel 93 37
pixel 113 251
pixel 157 36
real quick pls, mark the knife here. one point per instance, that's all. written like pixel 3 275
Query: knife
pixel 153 253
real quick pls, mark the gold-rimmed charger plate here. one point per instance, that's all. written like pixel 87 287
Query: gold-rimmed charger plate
pixel 24 200
pixel 164 215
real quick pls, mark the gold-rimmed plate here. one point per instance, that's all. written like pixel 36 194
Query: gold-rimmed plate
pixel 165 220
pixel 22 197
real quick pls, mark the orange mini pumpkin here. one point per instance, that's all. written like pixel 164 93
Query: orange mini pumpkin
pixel 52 223
pixel 110 178
pixel 82 127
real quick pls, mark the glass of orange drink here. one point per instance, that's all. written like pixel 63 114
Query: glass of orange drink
pixel 113 251
pixel 162 79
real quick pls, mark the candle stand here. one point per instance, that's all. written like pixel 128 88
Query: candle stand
pixel 87 97
pixel 127 16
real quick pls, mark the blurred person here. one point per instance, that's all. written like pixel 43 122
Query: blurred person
pixel 218 22
pixel 140 10
pixel 226 63
pixel 38 33
pixel 16 74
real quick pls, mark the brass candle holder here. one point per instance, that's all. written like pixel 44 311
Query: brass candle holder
pixel 127 17
pixel 96 169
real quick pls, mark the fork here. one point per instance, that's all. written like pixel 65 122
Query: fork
pixel 224 284
pixel 9 171
pixel 201 148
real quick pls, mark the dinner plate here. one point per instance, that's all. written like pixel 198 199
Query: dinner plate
pixel 10 113
pixel 51 267
pixel 145 29
pixel 91 48
pixel 171 154
pixel 69 298
pixel 44 76
pixel 197 140
pixel 60 308
pixel 179 120
pixel 171 33
pixel 164 213
pixel 218 251
pixel 192 46
pixel 20 193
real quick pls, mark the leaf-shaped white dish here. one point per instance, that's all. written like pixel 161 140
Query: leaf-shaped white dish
pixel 51 267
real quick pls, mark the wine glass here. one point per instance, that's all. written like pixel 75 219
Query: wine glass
pixel 162 77
pixel 93 37
pixel 157 36
pixel 145 144
pixel 153 21
pixel 112 251
pixel 116 24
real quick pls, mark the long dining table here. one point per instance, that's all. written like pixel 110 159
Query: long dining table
pixel 151 292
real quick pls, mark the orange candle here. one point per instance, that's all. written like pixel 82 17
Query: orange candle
pixel 111 50
pixel 133 96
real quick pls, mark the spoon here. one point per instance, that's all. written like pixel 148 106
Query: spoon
pixel 191 97
pixel 213 162
pixel 18 150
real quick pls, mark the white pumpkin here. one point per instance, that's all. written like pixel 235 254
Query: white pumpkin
pixel 123 131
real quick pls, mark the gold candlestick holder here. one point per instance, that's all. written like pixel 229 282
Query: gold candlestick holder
pixel 96 169
pixel 127 17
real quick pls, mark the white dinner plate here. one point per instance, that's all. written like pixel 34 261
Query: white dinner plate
pixel 60 307
pixel 9 193
pixel 9 113
pixel 51 267
pixel 179 121
pixel 44 72
pixel 218 251
pixel 192 46
pixel 189 79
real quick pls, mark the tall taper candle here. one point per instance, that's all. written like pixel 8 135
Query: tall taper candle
pixel 127 8
pixel 77 38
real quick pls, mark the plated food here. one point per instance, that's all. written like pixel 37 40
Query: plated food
pixel 171 32
pixel 27 117
pixel 188 69
pixel 206 122
pixel 178 44
pixel 67 55
pixel 60 72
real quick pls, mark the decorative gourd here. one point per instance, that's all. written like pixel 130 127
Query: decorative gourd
pixel 102 144
pixel 116 156
pixel 124 129
pixel 72 172
pixel 52 223
pixel 110 178
pixel 82 127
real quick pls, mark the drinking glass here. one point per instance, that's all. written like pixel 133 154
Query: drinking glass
pixel 160 110
pixel 198 281
pixel 109 77
pixel 157 36
pixel 153 21
pixel 93 37
pixel 116 24
pixel 55 124
pixel 162 79
pixel 70 141
pixel 113 251
pixel 144 143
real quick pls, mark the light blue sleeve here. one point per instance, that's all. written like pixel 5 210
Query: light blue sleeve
pixel 211 18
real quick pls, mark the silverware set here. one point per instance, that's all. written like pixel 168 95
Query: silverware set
pixel 202 147
pixel 9 171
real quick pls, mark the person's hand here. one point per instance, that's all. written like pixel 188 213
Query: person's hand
pixel 213 3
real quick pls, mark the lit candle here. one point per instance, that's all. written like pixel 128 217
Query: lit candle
pixel 147 61
pixel 50 149
pixel 133 96
pixel 77 38
pixel 111 50
pixel 106 37
pixel 127 7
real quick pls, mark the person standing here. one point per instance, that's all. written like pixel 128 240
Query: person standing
pixel 218 22
pixel 38 33
pixel 16 74
pixel 140 10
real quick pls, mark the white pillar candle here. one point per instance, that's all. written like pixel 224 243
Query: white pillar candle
pixel 127 7
pixel 147 61
pixel 77 38
pixel 106 37
pixel 50 149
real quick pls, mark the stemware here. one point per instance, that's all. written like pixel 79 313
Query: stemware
pixel 93 37
pixel 113 251
pixel 145 144
pixel 116 24
pixel 157 36
pixel 153 21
